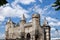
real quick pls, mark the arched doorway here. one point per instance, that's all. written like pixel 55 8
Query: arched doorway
pixel 28 36
pixel 36 37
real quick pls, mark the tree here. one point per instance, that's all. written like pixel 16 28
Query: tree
pixel 56 4
pixel 2 2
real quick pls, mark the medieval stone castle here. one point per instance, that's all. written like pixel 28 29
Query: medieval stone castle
pixel 28 31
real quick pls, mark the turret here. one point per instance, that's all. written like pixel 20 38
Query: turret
pixel 36 20
pixel 9 28
pixel 36 25
pixel 8 24
pixel 23 21
pixel 46 30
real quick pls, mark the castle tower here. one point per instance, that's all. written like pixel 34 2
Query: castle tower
pixel 23 21
pixel 7 24
pixel 36 24
pixel 9 29
pixel 36 20
pixel 46 30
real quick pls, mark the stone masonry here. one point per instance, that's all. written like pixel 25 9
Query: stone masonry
pixel 27 31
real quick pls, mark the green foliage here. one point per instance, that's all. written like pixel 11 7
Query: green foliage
pixel 2 2
pixel 57 5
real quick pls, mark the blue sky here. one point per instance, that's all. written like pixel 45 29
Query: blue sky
pixel 16 8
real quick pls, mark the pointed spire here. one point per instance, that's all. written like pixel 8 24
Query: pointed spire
pixel 23 17
pixel 9 19
pixel 45 22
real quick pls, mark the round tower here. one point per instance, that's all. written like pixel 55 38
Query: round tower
pixel 8 24
pixel 46 30
pixel 36 25
pixel 22 22
pixel 9 29
pixel 36 20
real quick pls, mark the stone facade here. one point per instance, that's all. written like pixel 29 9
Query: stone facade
pixel 28 31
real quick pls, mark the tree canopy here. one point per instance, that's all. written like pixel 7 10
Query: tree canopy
pixel 56 4
pixel 2 2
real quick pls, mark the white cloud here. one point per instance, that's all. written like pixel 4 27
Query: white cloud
pixel 2 18
pixel 37 9
pixel 16 11
pixel 51 19
pixel 24 1
pixel 54 23
pixel 55 38
pixel 47 7
pixel 56 34
pixel 30 20
pixel 2 36
pixel 52 29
